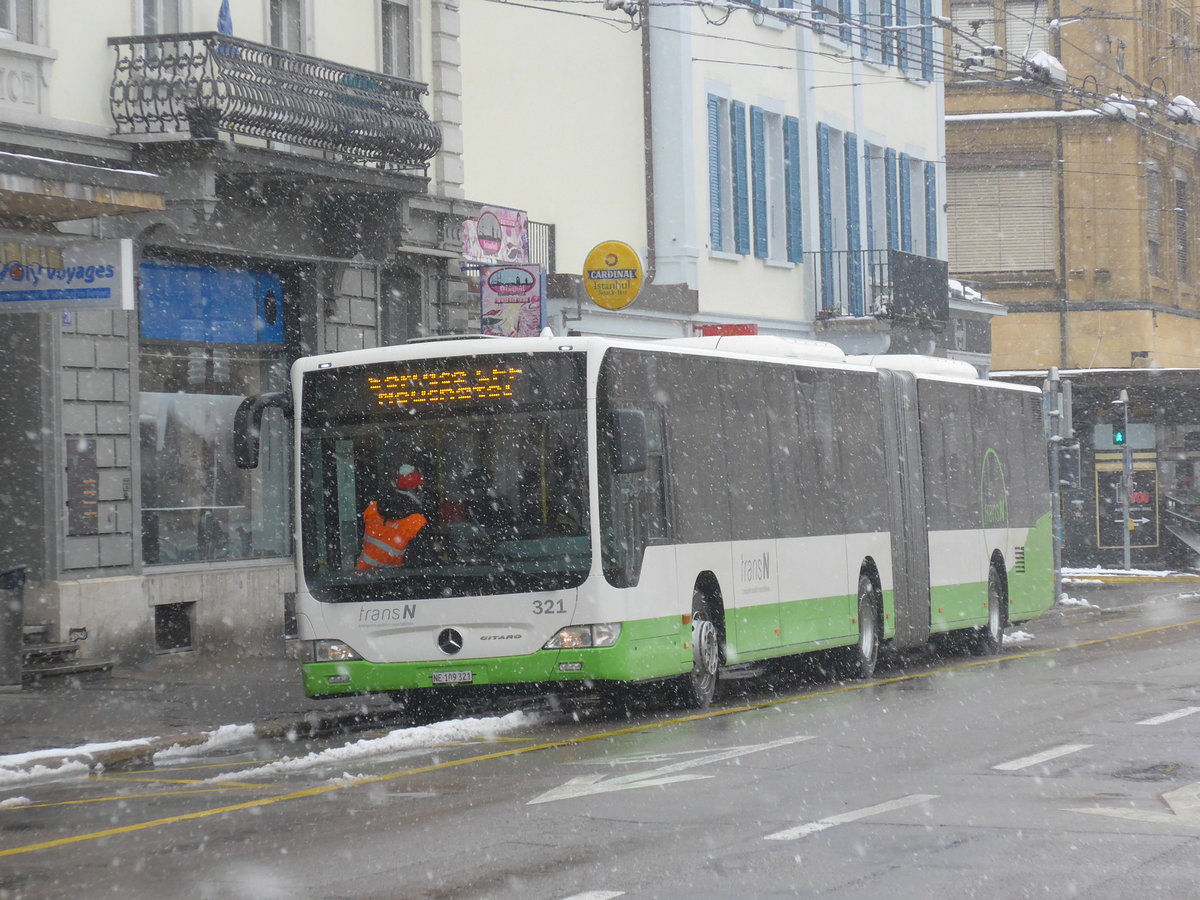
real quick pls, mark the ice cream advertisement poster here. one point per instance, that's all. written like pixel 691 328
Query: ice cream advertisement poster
pixel 498 236
pixel 513 300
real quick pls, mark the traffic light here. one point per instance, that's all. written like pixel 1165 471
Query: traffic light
pixel 1118 435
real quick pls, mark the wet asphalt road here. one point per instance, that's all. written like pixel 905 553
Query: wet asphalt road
pixel 1067 766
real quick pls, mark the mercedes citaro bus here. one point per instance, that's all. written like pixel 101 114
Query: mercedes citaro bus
pixel 615 513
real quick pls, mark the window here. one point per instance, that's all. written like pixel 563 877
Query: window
pixel 17 20
pixel 160 17
pixel 1025 30
pixel 1001 218
pixel 287 24
pixel 974 32
pixel 1182 257
pixel 767 176
pixel 396 38
pixel 728 176
pixel 1154 198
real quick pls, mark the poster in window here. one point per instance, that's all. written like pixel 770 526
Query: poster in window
pixel 512 300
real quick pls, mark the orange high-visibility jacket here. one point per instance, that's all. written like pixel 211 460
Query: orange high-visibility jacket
pixel 386 540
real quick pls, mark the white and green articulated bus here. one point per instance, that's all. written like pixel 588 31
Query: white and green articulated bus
pixel 617 513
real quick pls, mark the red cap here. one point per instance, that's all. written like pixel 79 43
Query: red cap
pixel 408 479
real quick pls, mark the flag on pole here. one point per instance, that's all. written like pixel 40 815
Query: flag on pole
pixel 224 19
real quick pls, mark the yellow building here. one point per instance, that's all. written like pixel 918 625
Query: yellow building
pixel 1071 192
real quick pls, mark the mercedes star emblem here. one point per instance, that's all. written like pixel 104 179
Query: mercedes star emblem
pixel 450 641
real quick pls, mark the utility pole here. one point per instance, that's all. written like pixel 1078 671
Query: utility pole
pixel 1126 471
pixel 1060 437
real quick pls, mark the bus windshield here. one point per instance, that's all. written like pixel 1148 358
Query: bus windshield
pixel 489 454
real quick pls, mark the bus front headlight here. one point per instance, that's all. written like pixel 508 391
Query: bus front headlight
pixel 574 637
pixel 327 651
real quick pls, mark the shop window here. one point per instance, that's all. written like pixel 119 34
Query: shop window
pixel 209 338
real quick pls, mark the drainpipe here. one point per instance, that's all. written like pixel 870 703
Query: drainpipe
pixel 648 133
pixel 1060 181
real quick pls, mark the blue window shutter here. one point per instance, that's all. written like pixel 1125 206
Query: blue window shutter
pixel 715 225
pixel 891 197
pixel 927 40
pixel 825 215
pixel 886 38
pixel 792 180
pixel 931 207
pixel 758 172
pixel 869 200
pixel 901 33
pixel 854 270
pixel 741 183
pixel 906 231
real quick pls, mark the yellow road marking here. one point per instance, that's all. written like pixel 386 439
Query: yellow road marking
pixel 224 765
pixel 567 742
pixel 242 784
pixel 117 798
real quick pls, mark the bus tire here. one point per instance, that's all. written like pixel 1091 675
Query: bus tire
pixel 697 688
pixel 859 659
pixel 988 639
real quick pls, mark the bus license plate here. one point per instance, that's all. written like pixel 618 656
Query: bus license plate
pixel 453 677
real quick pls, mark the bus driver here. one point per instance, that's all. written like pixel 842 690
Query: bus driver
pixel 393 521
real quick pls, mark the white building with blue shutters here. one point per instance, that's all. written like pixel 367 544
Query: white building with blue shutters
pixel 779 165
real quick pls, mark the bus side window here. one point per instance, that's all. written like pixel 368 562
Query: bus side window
pixel 654 481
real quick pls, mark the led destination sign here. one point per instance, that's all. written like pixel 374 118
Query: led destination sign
pixel 445 386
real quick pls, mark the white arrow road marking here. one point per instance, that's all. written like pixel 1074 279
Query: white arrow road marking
pixel 805 830
pixel 1171 716
pixel 1184 803
pixel 1045 756
pixel 586 785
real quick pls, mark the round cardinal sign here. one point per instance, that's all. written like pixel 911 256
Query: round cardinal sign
pixel 612 275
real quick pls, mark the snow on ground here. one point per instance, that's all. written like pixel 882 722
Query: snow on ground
pixel 1064 600
pixel 10 777
pixel 395 741
pixel 225 736
pixel 12 802
pixel 1017 637
pixel 1073 575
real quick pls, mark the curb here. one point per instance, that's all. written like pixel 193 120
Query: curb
pixel 141 753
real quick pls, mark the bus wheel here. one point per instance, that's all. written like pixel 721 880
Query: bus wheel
pixel 698 687
pixel 988 640
pixel 858 660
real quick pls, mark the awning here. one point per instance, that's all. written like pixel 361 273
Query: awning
pixel 51 190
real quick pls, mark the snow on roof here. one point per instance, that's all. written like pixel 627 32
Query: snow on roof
pixel 920 365
pixel 1026 114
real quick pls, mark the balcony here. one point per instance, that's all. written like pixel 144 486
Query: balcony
pixel 204 85
pixel 884 284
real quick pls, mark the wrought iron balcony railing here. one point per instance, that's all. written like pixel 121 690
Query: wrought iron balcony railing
pixel 204 83
pixel 881 283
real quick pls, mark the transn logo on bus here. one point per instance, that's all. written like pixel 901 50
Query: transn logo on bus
pixel 993 492
pixel 376 614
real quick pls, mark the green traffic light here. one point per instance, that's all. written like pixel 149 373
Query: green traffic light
pixel 1118 436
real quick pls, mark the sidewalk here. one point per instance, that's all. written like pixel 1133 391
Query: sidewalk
pixel 168 700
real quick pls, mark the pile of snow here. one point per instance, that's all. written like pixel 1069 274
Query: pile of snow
pixel 393 742
pixel 225 736
pixel 20 767
pixel 1017 637
pixel 1064 600
pixel 13 802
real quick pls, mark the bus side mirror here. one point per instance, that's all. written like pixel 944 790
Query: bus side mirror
pixel 247 424
pixel 629 441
